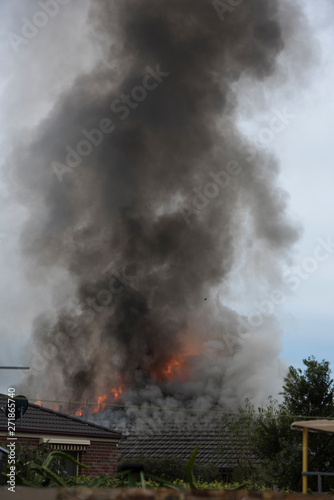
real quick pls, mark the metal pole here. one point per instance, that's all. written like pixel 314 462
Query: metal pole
pixel 305 439
pixel 14 367
pixel 319 483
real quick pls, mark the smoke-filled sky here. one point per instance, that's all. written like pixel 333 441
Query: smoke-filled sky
pixel 235 104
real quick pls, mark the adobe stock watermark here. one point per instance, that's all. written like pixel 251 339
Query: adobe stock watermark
pixel 278 122
pixel 88 310
pixel 266 308
pixel 11 441
pixel 225 6
pixel 40 19
pixel 219 181
pixel 121 107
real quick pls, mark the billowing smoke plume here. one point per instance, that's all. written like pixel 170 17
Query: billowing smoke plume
pixel 141 186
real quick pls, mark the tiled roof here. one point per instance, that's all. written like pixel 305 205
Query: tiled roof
pixel 171 442
pixel 40 420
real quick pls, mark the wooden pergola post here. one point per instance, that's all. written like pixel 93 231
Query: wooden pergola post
pixel 305 443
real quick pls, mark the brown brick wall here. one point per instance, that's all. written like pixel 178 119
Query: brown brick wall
pixel 102 458
pixel 29 441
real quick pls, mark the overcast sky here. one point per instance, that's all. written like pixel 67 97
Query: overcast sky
pixel 30 81
pixel 306 156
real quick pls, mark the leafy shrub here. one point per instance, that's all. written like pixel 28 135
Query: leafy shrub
pixel 96 482
pixel 109 482
pixel 175 468
pixel 38 466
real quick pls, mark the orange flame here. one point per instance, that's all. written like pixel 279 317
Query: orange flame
pixel 39 402
pixel 116 391
pixel 174 369
pixel 78 413
pixel 101 403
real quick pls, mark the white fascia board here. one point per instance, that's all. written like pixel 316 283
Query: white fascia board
pixel 63 440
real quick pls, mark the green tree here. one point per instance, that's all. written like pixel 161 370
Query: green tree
pixel 238 428
pixel 309 393
pixel 267 451
pixel 278 449
pixel 262 444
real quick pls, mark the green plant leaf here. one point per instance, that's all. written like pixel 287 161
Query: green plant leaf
pixel 64 455
pixel 240 487
pixel 56 478
pixel 162 482
pixel 30 483
pixel 46 472
pixel 190 468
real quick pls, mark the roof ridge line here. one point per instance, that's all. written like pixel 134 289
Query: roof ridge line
pixel 75 419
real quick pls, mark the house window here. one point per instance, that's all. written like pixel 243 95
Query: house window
pixel 71 446
pixel 71 469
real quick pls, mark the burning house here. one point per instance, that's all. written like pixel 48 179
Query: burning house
pixel 94 446
pixel 141 186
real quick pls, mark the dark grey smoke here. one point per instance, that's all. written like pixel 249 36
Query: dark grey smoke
pixel 130 207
